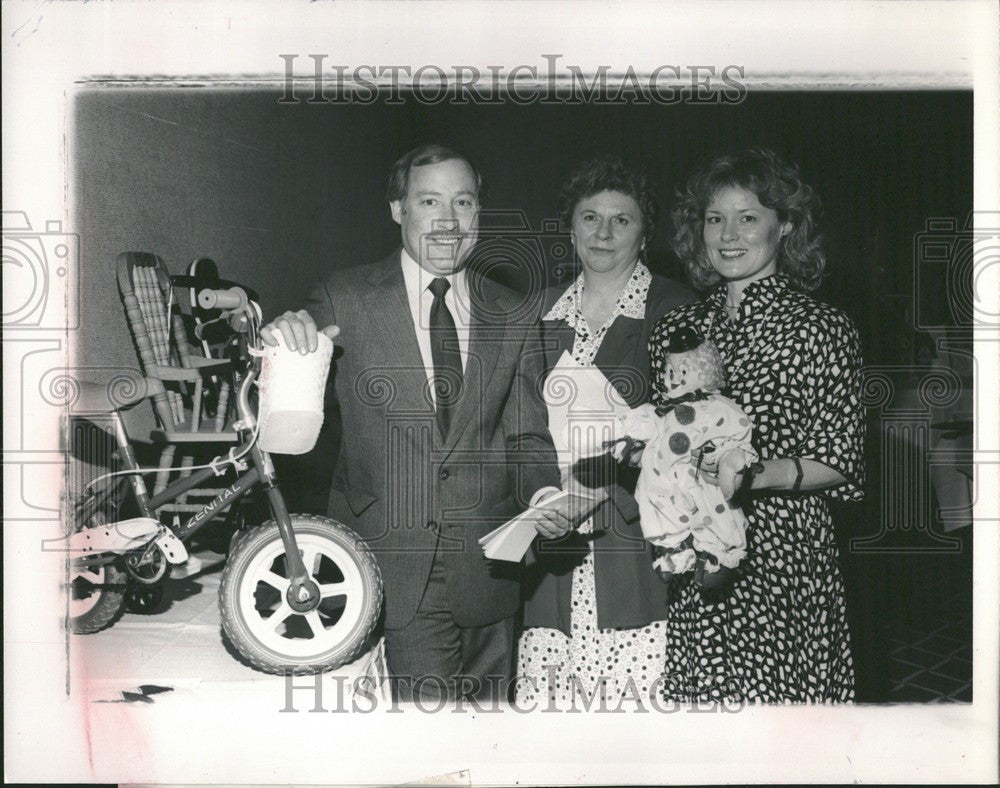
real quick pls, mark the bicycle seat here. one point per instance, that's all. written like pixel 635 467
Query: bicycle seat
pixel 120 393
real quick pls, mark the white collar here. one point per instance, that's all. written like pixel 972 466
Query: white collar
pixel 631 301
pixel 418 279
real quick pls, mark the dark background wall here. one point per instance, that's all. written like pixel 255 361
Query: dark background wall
pixel 278 194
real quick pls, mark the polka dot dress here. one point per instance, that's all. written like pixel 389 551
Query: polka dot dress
pixel 794 365
pixel 560 670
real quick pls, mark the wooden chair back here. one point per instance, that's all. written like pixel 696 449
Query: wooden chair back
pixel 157 327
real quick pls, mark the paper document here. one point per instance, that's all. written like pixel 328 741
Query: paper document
pixel 511 540
pixel 583 410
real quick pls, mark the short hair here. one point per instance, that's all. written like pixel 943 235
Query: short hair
pixel 778 186
pixel 608 173
pixel 399 175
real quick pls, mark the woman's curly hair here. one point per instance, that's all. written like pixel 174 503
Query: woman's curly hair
pixel 608 174
pixel 778 186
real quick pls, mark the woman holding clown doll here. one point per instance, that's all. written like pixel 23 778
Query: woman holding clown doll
pixel 745 231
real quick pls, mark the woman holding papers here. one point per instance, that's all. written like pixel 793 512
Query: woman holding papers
pixel 744 228
pixel 594 606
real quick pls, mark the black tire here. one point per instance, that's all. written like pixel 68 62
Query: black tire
pixel 143 598
pixel 100 591
pixel 336 551
pixel 96 595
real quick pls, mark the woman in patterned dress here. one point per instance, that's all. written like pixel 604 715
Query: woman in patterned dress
pixel 593 603
pixel 745 230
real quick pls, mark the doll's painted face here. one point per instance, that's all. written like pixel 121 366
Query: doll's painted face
pixel 691 370
pixel 677 375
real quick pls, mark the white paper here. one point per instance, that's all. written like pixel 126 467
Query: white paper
pixel 511 540
pixel 583 406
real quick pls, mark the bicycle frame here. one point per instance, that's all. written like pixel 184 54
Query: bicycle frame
pixel 302 590
pixel 228 496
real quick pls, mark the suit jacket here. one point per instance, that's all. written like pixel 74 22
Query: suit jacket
pixel 629 592
pixel 406 489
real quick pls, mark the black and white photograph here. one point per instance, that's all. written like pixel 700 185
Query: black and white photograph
pixel 452 393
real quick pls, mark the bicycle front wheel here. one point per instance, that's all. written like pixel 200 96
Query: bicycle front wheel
pixel 267 631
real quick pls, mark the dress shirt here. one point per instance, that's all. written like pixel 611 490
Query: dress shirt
pixel 420 299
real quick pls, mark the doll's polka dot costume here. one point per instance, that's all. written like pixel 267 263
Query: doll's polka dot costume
pixel 681 510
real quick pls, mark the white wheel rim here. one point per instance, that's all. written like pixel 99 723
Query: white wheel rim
pixel 96 576
pixel 276 625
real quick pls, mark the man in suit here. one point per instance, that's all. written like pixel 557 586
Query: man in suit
pixel 444 432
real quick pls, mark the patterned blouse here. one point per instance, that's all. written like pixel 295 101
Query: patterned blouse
pixel 631 303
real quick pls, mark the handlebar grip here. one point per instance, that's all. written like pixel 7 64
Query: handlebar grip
pixel 231 298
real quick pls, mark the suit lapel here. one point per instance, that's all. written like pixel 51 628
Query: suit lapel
pixel 391 325
pixel 617 358
pixel 557 338
pixel 619 344
pixel 490 311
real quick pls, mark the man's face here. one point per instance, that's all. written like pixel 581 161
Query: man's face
pixel 439 216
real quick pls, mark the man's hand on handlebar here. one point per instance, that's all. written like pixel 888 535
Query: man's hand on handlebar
pixel 298 330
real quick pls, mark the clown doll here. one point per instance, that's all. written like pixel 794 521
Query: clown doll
pixel 684 442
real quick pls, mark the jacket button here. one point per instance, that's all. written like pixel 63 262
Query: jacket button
pixel 431 525
pixel 444 474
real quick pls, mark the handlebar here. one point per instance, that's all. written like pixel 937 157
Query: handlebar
pixel 233 298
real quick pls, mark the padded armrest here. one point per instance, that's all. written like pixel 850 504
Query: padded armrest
pixel 189 374
pixel 109 397
pixel 207 364
pixel 174 373
pixel 153 387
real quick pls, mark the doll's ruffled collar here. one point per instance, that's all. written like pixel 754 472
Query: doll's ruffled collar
pixel 692 396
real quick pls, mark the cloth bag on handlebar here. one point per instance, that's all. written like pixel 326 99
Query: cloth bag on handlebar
pixel 291 397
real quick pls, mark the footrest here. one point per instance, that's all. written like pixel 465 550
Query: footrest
pixel 172 547
pixel 119 537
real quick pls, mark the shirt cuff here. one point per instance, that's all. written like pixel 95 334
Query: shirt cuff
pixel 541 493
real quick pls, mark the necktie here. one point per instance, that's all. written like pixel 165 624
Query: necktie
pixel 445 354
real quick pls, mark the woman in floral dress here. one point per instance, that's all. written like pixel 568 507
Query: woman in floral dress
pixel 744 228
pixel 593 603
